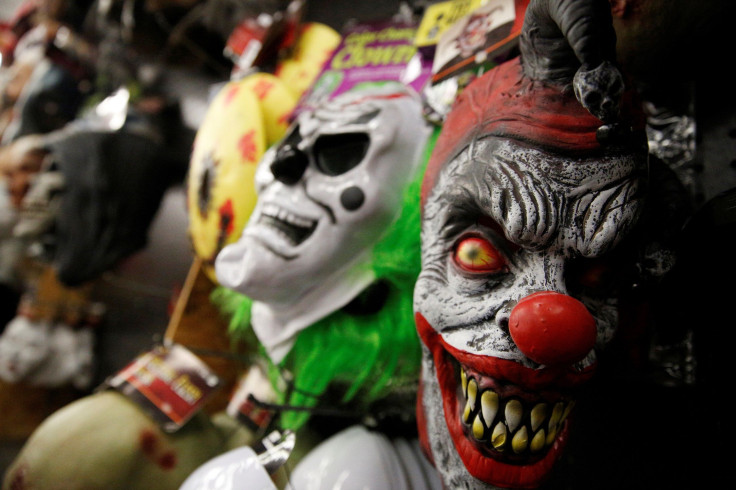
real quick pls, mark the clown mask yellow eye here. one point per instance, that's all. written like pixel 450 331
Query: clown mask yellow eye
pixel 478 256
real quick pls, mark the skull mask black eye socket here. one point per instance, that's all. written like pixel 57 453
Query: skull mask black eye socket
pixel 336 154
pixel 290 162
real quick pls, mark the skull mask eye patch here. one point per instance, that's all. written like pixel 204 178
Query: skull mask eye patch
pixel 336 154
pixel 290 163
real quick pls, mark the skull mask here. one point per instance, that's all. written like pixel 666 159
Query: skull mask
pixel 327 192
pixel 522 205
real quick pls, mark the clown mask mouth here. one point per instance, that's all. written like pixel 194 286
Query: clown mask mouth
pixel 508 428
pixel 508 423
pixel 292 228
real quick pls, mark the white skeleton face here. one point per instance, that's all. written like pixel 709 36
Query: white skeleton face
pixel 327 192
pixel 500 367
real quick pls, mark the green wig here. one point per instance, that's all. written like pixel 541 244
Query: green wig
pixel 367 355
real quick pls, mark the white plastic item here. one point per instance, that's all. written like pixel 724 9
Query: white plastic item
pixel 238 469
pixel 360 459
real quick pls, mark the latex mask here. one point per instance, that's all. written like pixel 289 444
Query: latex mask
pixel 527 192
pixel 326 194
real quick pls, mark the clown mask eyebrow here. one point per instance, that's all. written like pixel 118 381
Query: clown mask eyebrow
pixel 581 205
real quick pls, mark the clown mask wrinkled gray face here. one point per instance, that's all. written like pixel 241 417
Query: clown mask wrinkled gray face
pixel 504 232
pixel 533 183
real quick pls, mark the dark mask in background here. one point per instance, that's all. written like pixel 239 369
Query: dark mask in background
pixel 115 182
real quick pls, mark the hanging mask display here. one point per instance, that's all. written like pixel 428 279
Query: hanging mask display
pixel 106 208
pixel 528 193
pixel 245 116
pixel 50 99
pixel 326 194
pixel 73 194
pixel 229 143
pixel 331 251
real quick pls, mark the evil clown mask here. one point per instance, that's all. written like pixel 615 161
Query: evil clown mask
pixel 523 199
pixel 326 194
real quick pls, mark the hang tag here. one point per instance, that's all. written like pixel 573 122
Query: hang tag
pixel 245 44
pixel 478 41
pixel 252 388
pixel 437 18
pixel 169 382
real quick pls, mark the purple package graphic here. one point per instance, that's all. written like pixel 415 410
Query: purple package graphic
pixel 370 52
